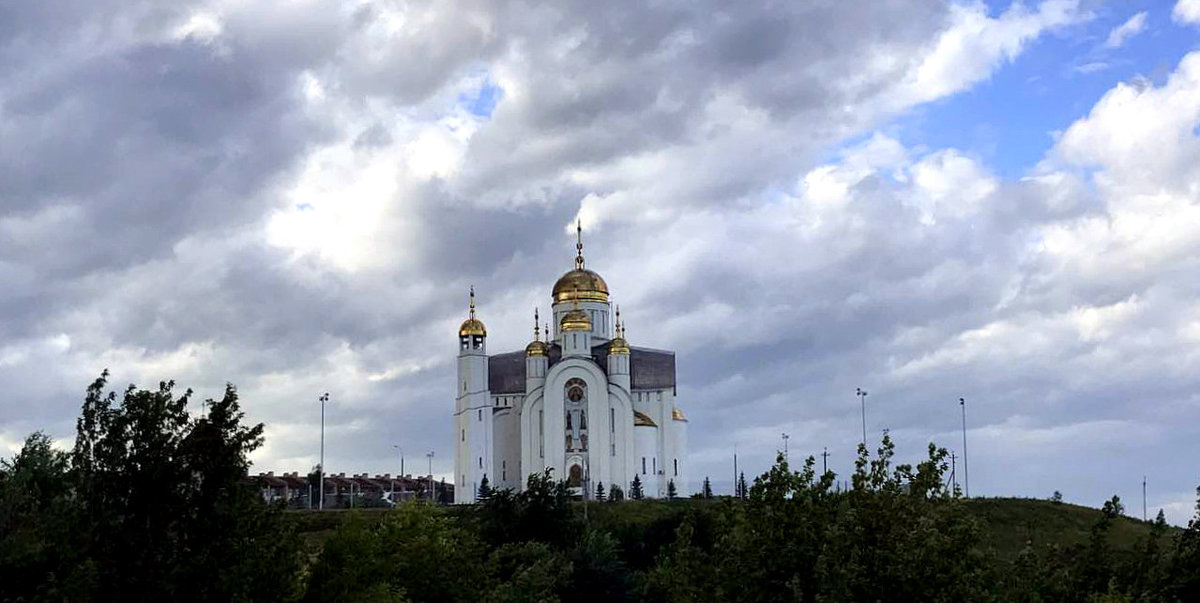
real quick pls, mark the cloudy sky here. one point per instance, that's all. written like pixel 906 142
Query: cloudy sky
pixel 926 200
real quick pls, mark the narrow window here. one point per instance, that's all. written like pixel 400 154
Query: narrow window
pixel 541 435
pixel 504 470
pixel 612 420
pixel 481 462
pixel 676 466
pixel 654 464
pixel 481 415
pixel 464 435
pixel 643 465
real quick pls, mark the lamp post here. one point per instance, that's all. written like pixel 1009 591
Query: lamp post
pixel 862 398
pixel 321 496
pixel 966 473
pixel 400 451
pixel 785 447
pixel 430 494
pixel 824 460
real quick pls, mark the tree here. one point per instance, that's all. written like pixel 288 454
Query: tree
pixel 163 512
pixel 35 520
pixel 616 493
pixel 1056 498
pixel 671 489
pixel 1113 507
pixel 485 490
pixel 707 491
pixel 635 488
pixel 600 491
pixel 742 491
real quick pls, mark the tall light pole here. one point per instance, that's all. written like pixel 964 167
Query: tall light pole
pixel 430 493
pixel 321 497
pixel 785 447
pixel 400 451
pixel 824 460
pixel 966 472
pixel 862 398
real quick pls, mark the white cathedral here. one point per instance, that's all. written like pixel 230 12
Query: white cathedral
pixel 583 403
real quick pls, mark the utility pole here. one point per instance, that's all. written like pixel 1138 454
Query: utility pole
pixel 321 496
pixel 824 460
pixel 785 447
pixel 1144 498
pixel 862 398
pixel 401 452
pixel 953 468
pixel 966 472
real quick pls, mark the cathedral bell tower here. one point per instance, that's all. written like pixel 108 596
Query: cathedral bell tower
pixel 472 409
pixel 581 291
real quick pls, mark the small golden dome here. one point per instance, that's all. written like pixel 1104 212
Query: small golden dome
pixel 641 420
pixel 678 415
pixel 537 348
pixel 472 325
pixel 618 346
pixel 576 320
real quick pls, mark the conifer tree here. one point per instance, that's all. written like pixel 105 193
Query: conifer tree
pixel 671 489
pixel 485 490
pixel 616 493
pixel 707 492
pixel 742 490
pixel 635 488
pixel 600 491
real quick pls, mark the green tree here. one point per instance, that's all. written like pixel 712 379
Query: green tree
pixel 742 491
pixel 35 520
pixel 1056 498
pixel 484 492
pixel 600 491
pixel 1183 583
pixel 707 491
pixel 163 510
pixel 1113 507
pixel 635 488
pixel 616 493
pixel 671 490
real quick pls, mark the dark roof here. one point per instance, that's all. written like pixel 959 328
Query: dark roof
pixel 649 368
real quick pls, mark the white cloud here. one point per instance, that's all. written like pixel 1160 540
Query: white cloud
pixel 1187 11
pixel 1130 28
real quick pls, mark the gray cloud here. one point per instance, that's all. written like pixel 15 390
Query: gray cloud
pixel 295 198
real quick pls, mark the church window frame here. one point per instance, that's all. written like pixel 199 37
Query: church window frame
pixel 676 467
pixel 643 465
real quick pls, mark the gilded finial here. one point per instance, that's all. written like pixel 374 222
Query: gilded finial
pixel 579 244
pixel 472 301
pixel 546 326
pixel 535 325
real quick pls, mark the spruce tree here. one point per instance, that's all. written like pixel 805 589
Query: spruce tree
pixel 671 489
pixel 635 488
pixel 742 491
pixel 485 490
pixel 616 493
pixel 600 491
pixel 707 492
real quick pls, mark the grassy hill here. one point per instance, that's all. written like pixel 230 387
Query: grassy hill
pixel 1006 524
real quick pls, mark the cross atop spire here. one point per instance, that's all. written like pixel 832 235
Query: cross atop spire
pixel 472 301
pixel 535 325
pixel 579 244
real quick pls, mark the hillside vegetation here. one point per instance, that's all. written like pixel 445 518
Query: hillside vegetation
pixel 150 504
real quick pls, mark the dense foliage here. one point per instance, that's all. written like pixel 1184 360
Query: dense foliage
pixel 150 505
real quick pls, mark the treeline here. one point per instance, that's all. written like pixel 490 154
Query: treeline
pixel 150 505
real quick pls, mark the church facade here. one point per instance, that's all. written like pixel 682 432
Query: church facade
pixel 578 400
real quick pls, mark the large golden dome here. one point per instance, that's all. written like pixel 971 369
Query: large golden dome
pixel 580 284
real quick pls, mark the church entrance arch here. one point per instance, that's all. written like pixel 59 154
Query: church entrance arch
pixel 575 477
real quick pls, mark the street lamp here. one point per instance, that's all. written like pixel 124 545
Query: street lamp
pixel 400 451
pixel 429 495
pixel 862 398
pixel 321 497
pixel 966 473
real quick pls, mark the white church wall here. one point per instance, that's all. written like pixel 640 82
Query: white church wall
pixel 507 457
pixel 646 454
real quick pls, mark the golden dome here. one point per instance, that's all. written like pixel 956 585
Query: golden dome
pixel 618 346
pixel 537 348
pixel 641 420
pixel 576 320
pixel 472 325
pixel 678 415
pixel 580 284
